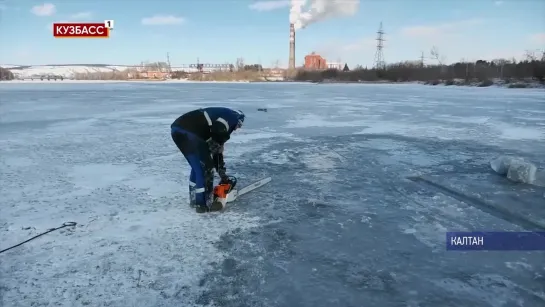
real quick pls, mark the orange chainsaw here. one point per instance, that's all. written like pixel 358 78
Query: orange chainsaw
pixel 226 192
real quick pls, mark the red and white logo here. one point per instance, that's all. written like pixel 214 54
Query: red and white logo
pixel 83 30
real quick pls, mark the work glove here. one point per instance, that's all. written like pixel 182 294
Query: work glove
pixel 225 180
pixel 215 147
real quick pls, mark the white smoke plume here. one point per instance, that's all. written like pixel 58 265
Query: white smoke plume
pixel 319 10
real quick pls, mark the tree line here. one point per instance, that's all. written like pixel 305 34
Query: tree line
pixel 5 74
pixel 482 71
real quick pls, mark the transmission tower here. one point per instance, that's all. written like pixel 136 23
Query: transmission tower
pixel 379 56
pixel 422 59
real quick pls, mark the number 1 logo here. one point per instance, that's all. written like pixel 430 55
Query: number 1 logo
pixel 109 24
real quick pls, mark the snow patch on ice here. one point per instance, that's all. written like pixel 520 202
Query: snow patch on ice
pixel 277 106
pixel 276 157
pixel 518 265
pixel 246 137
pixel 324 161
pixel 512 132
pixel 72 126
pixel 463 119
pixel 155 186
pixel 381 144
pixel 494 289
pixel 248 140
pixel 383 128
pixel 152 120
pixel 17 162
pixel 312 120
pixel 94 176
pixel 448 132
pixel 429 234
pixel 535 120
pixel 412 130
pixel 168 110
pixel 129 259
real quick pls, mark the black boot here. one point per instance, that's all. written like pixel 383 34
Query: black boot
pixel 216 206
pixel 202 209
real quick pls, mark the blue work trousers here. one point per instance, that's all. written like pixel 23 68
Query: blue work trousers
pixel 197 154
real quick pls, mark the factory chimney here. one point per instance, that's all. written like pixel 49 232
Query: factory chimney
pixel 291 65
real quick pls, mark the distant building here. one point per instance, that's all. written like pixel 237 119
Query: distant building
pixel 275 72
pixel 208 68
pixel 153 74
pixel 315 61
pixel 338 66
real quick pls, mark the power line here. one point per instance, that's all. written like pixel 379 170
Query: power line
pixel 379 56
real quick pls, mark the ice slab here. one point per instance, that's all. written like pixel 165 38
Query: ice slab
pixel 501 164
pixel 522 171
pixel 515 169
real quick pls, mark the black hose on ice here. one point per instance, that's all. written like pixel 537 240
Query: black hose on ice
pixel 66 224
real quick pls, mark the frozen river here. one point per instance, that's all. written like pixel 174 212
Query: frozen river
pixel 366 181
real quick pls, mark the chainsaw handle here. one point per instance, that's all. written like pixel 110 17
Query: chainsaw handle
pixel 233 181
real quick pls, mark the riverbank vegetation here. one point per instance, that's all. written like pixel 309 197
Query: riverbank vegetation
pixel 5 74
pixel 480 73
pixel 227 76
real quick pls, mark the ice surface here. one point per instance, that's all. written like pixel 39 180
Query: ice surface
pixel 339 225
pixel 517 133
pixel 311 120
pixel 247 137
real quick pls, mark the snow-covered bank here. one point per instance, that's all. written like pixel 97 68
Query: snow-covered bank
pixel 56 73
pixel 530 84
pixel 115 81
pixel 66 71
pixel 520 85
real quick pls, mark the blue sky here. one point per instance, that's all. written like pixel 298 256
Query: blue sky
pixel 216 31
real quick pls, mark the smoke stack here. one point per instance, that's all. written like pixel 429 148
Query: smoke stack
pixel 291 65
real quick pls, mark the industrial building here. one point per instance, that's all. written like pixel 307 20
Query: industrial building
pixel 315 61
